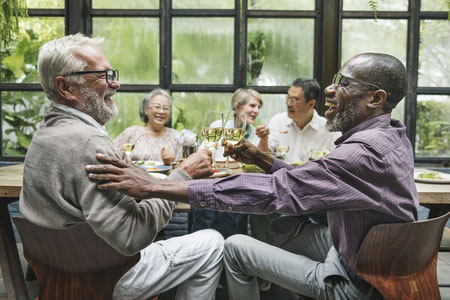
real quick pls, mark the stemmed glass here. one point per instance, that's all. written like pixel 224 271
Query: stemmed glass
pixel 283 146
pixel 127 148
pixel 234 129
pixel 212 130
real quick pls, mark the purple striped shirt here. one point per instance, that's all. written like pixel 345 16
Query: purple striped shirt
pixel 367 180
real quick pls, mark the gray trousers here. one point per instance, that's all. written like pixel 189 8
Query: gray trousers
pixel 193 262
pixel 308 265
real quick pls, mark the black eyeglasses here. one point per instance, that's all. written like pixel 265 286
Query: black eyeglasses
pixel 110 74
pixel 338 78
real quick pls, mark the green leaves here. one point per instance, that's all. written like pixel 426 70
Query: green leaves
pixel 10 12
pixel 256 53
pixel 15 63
pixel 433 129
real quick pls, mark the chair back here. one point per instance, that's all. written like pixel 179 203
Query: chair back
pixel 72 263
pixel 400 259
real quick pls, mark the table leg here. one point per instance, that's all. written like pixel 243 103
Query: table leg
pixel 9 258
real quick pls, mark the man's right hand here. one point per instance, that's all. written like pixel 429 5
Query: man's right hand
pixel 247 153
pixel 198 165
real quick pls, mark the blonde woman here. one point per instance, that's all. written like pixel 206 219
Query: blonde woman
pixel 247 101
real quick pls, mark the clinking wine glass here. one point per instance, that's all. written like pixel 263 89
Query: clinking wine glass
pixel 127 148
pixel 235 129
pixel 283 146
pixel 212 131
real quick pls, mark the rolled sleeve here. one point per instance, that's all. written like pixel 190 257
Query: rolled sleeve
pixel 201 193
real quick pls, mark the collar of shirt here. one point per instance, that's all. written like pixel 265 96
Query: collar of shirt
pixel 248 131
pixel 384 118
pixel 314 123
pixel 83 116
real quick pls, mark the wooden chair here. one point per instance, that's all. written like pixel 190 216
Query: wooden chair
pixel 400 259
pixel 72 263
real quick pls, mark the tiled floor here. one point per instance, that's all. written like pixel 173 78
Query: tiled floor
pixel 443 277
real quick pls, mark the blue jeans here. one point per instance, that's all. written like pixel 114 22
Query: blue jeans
pixel 225 223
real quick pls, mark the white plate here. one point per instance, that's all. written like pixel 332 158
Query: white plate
pixel 157 169
pixel 231 164
pixel 445 178
pixel 221 173
pixel 158 175
pixel 148 163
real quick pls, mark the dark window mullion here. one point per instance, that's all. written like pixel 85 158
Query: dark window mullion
pixel 433 90
pixel 73 20
pixel 125 13
pixel 380 14
pixel 282 13
pixel 34 12
pixel 434 15
pixel 412 65
pixel 242 82
pixel 318 54
pixel 237 45
pixel 168 35
pixel 203 12
pixel 88 18
pixel 164 42
pixel 331 40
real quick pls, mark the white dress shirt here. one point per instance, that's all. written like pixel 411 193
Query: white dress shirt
pixel 302 142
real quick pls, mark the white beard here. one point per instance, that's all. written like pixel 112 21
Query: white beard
pixel 93 105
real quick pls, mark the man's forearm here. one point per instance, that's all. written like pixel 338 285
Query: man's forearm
pixel 265 161
pixel 264 145
pixel 170 190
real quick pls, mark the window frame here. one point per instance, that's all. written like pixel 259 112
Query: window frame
pixel 328 16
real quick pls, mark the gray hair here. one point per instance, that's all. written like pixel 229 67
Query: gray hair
pixel 57 57
pixel 147 99
pixel 240 97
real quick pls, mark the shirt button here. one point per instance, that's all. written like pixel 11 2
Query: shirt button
pixel 230 209
pixel 203 204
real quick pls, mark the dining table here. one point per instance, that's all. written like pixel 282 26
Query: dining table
pixel 435 196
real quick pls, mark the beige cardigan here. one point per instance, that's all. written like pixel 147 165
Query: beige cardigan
pixel 57 192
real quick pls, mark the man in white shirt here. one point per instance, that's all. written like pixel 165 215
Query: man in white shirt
pixel 301 128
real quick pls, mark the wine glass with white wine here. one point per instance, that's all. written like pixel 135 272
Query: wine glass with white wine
pixel 127 148
pixel 211 132
pixel 283 146
pixel 234 129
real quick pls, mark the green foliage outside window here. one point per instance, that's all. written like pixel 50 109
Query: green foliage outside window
pixel 10 12
pixel 22 111
pixel 256 53
pixel 433 129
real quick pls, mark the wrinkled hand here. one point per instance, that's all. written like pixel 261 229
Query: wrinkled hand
pixel 167 156
pixel 198 164
pixel 244 151
pixel 125 178
pixel 247 153
pixel 262 131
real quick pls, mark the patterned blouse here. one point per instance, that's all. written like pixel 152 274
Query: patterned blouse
pixel 147 147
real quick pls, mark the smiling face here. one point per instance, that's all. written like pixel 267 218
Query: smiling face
pixel 96 94
pixel 347 100
pixel 158 111
pixel 251 108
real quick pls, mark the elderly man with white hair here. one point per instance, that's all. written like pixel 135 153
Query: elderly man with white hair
pixel 78 78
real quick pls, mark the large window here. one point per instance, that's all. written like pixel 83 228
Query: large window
pixel 203 50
